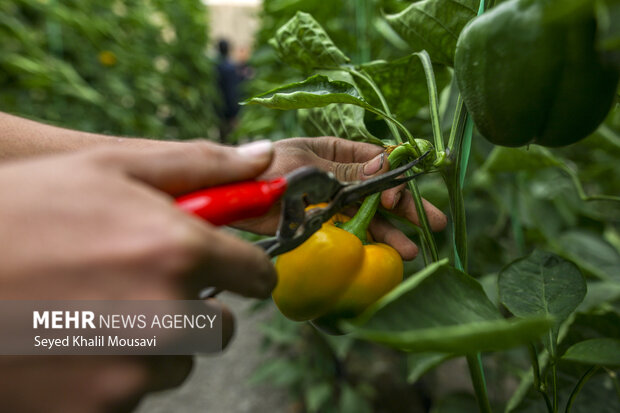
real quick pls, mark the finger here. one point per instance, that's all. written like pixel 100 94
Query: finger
pixel 228 321
pixel 93 382
pixel 166 372
pixel 406 208
pixel 229 263
pixel 355 171
pixel 391 197
pixel 343 150
pixel 384 232
pixel 184 167
pixel 347 160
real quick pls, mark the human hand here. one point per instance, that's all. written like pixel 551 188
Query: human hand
pixel 102 225
pixel 348 161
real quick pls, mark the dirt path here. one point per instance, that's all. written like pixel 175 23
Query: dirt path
pixel 218 384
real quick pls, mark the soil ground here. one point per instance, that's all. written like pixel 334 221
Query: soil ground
pixel 219 383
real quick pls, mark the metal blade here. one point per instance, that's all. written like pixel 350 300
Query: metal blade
pixel 358 191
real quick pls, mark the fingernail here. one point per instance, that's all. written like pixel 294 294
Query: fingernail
pixel 374 165
pixel 255 149
pixel 396 199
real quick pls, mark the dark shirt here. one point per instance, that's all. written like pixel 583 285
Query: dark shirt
pixel 228 81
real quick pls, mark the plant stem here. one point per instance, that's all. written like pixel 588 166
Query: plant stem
pixel 581 192
pixel 461 137
pixel 459 225
pixel 477 378
pixel 405 222
pixel 366 78
pixel 392 122
pixel 452 176
pixel 426 229
pixel 358 225
pixel 536 371
pixel 457 122
pixel 554 378
pixel 433 99
pixel 573 395
pixel 554 371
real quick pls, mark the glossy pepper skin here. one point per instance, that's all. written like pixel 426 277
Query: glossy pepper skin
pixel 334 275
pixel 528 74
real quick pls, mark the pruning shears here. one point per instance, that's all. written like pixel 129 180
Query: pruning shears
pixel 221 205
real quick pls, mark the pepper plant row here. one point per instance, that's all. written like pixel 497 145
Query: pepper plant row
pixel 543 72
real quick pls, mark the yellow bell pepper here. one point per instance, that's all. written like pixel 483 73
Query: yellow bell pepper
pixel 335 273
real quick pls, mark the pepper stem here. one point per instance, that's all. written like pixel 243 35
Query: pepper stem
pixel 358 225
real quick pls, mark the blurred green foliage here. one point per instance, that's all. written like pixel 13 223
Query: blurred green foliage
pixel 129 67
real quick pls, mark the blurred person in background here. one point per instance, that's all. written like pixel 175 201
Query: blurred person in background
pixel 229 79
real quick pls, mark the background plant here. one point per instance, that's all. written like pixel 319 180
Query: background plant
pixel 121 67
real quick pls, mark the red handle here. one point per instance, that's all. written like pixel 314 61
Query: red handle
pixel 221 205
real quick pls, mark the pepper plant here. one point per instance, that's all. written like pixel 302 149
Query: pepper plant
pixel 556 305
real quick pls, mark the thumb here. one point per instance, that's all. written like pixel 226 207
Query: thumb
pixel 183 167
pixel 357 171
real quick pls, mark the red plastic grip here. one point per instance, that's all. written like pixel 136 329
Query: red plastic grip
pixel 221 205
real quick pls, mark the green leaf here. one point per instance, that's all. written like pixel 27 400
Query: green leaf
pixel 608 28
pixel 344 121
pixel 385 30
pixel 590 252
pixel 279 372
pixel 418 364
pixel 531 158
pixel 317 395
pixel 352 402
pixel 591 398
pixel 402 83
pixel 316 91
pixel 434 26
pixel 304 44
pixel 600 293
pixel 542 284
pixel 597 351
pixel 441 309
pixel 598 395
